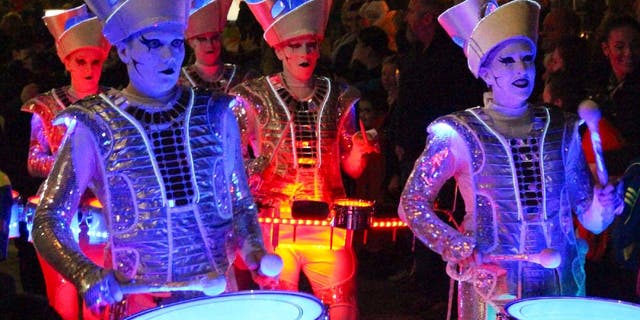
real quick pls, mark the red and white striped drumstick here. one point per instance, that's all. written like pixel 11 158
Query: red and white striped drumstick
pixel 363 132
pixel 589 111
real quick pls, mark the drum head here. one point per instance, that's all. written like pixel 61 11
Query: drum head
pixel 250 305
pixel 572 308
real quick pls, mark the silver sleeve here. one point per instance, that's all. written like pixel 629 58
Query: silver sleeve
pixel 40 158
pixel 246 229
pixel 434 167
pixel 52 235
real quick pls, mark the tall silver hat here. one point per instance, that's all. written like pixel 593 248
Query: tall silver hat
pixel 284 20
pixel 75 29
pixel 478 26
pixel 207 16
pixel 123 18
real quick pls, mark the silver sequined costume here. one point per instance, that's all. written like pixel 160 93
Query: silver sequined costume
pixel 46 137
pixel 172 184
pixel 228 78
pixel 519 193
pixel 298 145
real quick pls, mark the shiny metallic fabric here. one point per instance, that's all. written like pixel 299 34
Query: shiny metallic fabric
pixel 228 79
pixel 266 113
pixel 272 124
pixel 296 150
pixel 519 194
pixel 74 29
pixel 46 137
pixel 152 239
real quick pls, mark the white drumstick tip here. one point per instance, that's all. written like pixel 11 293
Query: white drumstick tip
pixel 215 287
pixel 548 258
pixel 589 111
pixel 271 265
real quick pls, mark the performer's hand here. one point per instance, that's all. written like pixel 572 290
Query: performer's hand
pixel 104 292
pixel 610 196
pixel 265 282
pixel 475 259
pixel 267 273
pixel 365 146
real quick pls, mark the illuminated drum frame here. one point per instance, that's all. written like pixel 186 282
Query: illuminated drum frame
pixel 245 305
pixel 572 308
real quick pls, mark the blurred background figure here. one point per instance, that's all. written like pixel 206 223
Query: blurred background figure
pixel 344 46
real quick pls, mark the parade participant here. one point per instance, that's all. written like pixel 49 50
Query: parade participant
pixel 82 49
pixel 299 127
pixel 520 170
pixel 204 35
pixel 164 161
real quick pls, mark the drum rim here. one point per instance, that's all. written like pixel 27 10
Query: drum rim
pixel 228 294
pixel 370 203
pixel 515 303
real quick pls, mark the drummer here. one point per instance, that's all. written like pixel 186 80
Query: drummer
pixel 82 49
pixel 300 130
pixel 164 160
pixel 520 169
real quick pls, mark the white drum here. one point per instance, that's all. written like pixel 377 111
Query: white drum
pixel 572 308
pixel 244 305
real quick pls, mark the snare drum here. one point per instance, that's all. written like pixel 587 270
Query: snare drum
pixel 571 308
pixel 245 305
pixel 17 214
pixel 352 214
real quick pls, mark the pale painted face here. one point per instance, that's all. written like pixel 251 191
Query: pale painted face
pixel 299 56
pixel 622 48
pixel 207 48
pixel 153 58
pixel 85 67
pixel 511 73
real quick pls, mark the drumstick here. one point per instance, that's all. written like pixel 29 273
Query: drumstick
pixel 590 113
pixel 363 132
pixel 271 265
pixel 210 287
pixel 548 258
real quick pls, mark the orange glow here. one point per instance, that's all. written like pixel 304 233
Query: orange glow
pixel 353 203
pixel 95 203
pixel 307 161
pixel 14 194
pixel 388 223
pixel 376 224
pixel 34 200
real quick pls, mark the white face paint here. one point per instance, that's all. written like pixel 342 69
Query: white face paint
pixel 299 57
pixel 153 58
pixel 207 48
pixel 85 68
pixel 511 73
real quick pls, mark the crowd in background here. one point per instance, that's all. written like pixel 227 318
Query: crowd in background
pixel 408 72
